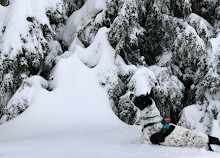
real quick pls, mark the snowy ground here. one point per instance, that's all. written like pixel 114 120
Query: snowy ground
pixel 75 120
pixel 121 142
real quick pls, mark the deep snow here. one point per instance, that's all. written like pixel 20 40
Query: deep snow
pixel 75 120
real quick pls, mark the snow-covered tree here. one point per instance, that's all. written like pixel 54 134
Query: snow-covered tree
pixel 73 5
pixel 140 31
pixel 168 47
pixel 169 35
pixel 29 47
pixel 125 31
pixel 205 8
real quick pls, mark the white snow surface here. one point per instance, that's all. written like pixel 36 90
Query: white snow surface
pixel 143 81
pixel 75 120
pixel 192 114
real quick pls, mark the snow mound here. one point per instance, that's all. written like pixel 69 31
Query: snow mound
pixel 23 97
pixel 77 102
pixel 143 80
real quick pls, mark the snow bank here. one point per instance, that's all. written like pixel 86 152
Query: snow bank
pixel 77 102
pixel 191 118
pixel 201 118
pixel 23 97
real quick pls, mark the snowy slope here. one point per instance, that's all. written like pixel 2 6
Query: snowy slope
pixel 75 120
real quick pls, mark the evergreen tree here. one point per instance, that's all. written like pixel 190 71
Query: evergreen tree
pixel 156 33
pixel 205 9
pixel 125 31
pixel 171 47
pixel 33 53
pixel 170 36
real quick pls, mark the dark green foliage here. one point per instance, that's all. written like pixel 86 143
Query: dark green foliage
pixel 120 101
pixel 205 9
pixel 138 30
pixel 180 8
pixel 156 33
pixel 35 56
pixel 125 32
pixel 56 17
pixel 30 19
pixel 164 28
pixel 73 5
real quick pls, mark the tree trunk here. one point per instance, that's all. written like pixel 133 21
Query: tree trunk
pixel 4 2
